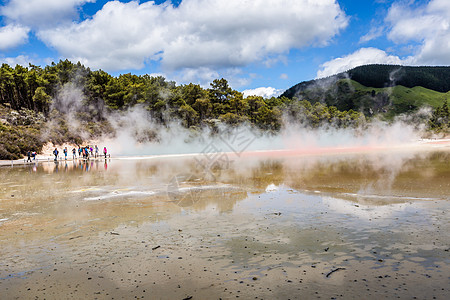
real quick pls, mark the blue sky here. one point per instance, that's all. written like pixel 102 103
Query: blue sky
pixel 259 46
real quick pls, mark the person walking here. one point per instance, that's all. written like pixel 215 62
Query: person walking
pixel 105 151
pixel 96 151
pixel 55 153
pixel 29 156
pixel 74 153
pixel 65 153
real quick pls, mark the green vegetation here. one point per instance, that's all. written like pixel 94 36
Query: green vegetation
pixel 38 105
pixel 36 101
pixel 379 76
pixel 383 90
pixel 14 140
pixel 439 121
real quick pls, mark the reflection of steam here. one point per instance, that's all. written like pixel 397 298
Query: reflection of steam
pixel 183 191
pixel 174 186
pixel 189 196
pixel 120 194
pixel 382 174
pixel 387 168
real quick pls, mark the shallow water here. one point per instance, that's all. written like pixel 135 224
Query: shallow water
pixel 334 226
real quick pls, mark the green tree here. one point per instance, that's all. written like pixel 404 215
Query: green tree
pixel 220 91
pixel 42 100
pixel 440 117
pixel 204 108
pixel 191 92
pixel 188 115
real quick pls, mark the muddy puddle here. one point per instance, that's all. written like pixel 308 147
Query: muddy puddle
pixel 353 226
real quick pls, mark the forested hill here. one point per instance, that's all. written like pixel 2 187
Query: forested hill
pixel 381 76
pixel 378 89
pixel 68 102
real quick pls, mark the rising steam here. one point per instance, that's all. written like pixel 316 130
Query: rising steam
pixel 134 132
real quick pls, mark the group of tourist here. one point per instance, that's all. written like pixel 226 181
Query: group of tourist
pixel 31 154
pixel 83 152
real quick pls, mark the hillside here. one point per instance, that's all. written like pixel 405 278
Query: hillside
pixel 69 103
pixel 372 89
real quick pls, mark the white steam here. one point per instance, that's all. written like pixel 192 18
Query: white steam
pixel 175 139
pixel 136 133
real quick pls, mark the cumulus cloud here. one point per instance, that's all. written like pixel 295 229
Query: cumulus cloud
pixel 425 27
pixel 429 25
pixel 266 92
pixel 41 13
pixel 202 75
pixel 196 34
pixel 22 60
pixel 12 36
pixel 360 57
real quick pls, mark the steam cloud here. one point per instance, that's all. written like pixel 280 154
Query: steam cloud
pixel 136 133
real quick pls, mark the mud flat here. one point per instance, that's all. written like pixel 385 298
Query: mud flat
pixel 345 226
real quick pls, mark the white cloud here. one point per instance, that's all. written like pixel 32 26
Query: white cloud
pixel 12 36
pixel 375 32
pixel 426 28
pixel 204 76
pixel 201 75
pixel 429 25
pixel 269 62
pixel 196 34
pixel 266 92
pixel 284 76
pixel 19 60
pixel 39 13
pixel 360 57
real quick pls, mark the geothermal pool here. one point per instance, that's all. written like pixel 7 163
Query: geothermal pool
pixel 342 226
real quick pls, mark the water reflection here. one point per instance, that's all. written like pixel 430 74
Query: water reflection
pixel 104 187
pixel 81 164
pixel 250 218
pixel 372 179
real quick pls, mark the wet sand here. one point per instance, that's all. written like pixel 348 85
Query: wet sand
pixel 353 226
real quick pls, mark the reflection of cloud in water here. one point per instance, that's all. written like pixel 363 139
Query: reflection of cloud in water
pixel 87 190
pixel 384 199
pixel 203 197
pixel 363 211
pixel 271 188
pixel 117 194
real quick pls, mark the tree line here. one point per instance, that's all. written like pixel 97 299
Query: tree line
pixel 379 76
pixel 31 112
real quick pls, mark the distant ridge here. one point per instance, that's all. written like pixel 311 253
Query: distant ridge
pixel 380 76
pixel 378 88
